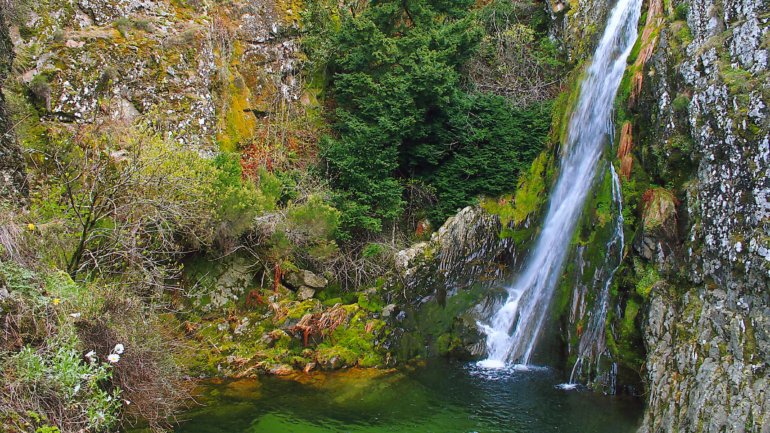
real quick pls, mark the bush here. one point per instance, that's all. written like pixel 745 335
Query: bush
pixel 54 355
pixel 494 143
pixel 127 200
pixel 516 58
pixel 396 73
pixel 56 385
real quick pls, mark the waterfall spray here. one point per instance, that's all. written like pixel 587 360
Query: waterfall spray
pixel 513 330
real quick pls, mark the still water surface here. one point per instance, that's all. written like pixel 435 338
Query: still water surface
pixel 440 397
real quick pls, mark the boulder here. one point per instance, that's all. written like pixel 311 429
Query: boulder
pixel 304 293
pixel 302 277
pixel 388 310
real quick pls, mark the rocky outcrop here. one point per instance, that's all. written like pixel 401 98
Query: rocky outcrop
pixel 467 249
pixel 12 172
pixel 198 74
pixel 447 284
pixel 708 325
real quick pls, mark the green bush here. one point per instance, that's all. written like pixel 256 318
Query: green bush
pixel 495 143
pixel 315 218
pixel 58 375
pixel 129 199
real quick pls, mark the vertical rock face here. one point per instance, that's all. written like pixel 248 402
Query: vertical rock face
pixel 11 161
pixel 202 73
pixel 708 329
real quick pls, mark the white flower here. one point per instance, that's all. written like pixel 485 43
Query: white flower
pixel 75 315
pixel 113 358
pixel 91 356
pixel 77 388
pixel 118 349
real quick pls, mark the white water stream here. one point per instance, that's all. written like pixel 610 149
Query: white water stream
pixel 514 329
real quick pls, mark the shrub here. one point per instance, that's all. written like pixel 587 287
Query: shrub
pixel 396 73
pixel 60 387
pixel 58 336
pixel 136 202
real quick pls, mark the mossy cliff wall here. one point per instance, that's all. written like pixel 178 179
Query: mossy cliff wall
pixel 692 150
pixel 11 161
pixel 202 72
pixel 707 327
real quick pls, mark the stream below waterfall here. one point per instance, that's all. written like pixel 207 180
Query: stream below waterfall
pixel 442 396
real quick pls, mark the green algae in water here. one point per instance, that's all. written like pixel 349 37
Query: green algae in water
pixel 440 397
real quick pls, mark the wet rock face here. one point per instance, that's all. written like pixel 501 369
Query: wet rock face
pixel 445 285
pixel 465 250
pixel 576 24
pixel 12 173
pixel 709 343
pixel 707 367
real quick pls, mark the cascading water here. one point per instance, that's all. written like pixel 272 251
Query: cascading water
pixel 514 328
pixel 592 343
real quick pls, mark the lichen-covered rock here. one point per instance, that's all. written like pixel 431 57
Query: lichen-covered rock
pixel 708 329
pixel 446 285
pixel 659 238
pixel 304 293
pixel 12 171
pixel 467 249
pixel 201 75
pixel 576 23
pixel 304 278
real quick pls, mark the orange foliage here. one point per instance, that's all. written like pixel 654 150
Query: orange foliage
pixel 624 150
pixel 648 41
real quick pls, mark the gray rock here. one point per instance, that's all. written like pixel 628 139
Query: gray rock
pixel 388 310
pixel 303 277
pixel 305 293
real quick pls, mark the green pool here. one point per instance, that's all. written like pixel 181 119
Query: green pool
pixel 439 397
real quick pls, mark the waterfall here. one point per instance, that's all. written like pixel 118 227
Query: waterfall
pixel 592 343
pixel 513 330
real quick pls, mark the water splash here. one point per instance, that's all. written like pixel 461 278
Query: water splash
pixel 514 329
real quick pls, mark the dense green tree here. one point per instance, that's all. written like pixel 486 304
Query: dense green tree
pixel 395 78
pixel 481 149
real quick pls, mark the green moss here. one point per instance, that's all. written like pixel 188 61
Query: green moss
pixel 648 276
pixel 327 353
pixel 440 328
pixel 739 81
pixel 530 195
pixel 237 126
pixel 297 309
pixel 749 341
pixel 370 302
pixel 354 342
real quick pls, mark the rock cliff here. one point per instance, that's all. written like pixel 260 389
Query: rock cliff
pixel 12 177
pixel 707 327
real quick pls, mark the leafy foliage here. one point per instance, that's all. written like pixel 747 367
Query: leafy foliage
pixel 134 201
pixel 395 75
pixel 494 144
